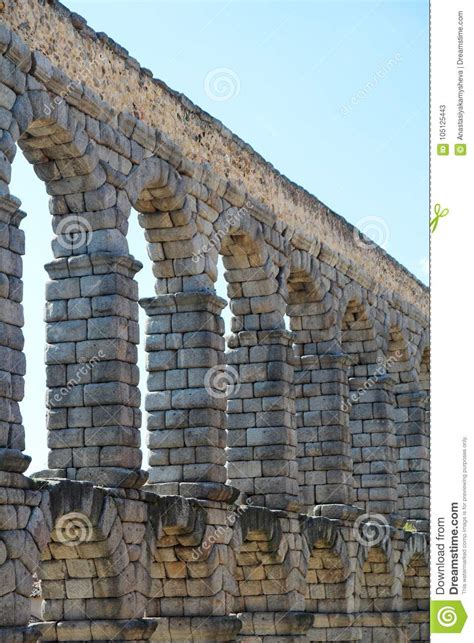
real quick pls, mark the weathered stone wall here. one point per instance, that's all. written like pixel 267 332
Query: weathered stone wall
pixel 126 565
pixel 286 496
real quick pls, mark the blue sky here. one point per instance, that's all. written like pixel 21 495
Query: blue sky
pixel 334 94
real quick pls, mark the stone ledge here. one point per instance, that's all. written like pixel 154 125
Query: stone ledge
pixel 199 490
pixel 183 302
pixel 97 630
pixel 275 623
pixel 19 634
pixel 195 628
pixel 101 476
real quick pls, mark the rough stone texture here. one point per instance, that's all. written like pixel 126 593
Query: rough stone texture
pixel 287 495
pixel 131 565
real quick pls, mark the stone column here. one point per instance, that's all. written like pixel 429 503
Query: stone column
pixel 413 455
pixel 324 439
pixel 192 571
pixel 13 462
pixel 95 569
pixel 20 518
pixel 261 418
pixel 187 395
pixel 92 376
pixel 373 440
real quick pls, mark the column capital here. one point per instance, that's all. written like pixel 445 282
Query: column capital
pixel 325 361
pixel 13 465
pixel 10 212
pixel 385 382
pixel 412 398
pixel 97 263
pixel 335 360
pixel 260 337
pixel 183 302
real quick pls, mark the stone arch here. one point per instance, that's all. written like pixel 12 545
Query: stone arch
pixel 184 547
pixel 269 576
pixel 369 403
pixel 259 551
pixel 253 276
pixel 265 573
pixel 359 333
pixel 261 407
pixel 179 400
pixel 23 537
pixel 410 432
pixel 89 222
pixel 155 185
pixel 399 358
pixel 423 365
pixel 92 572
pixel 310 304
pixel 168 215
pixel 67 161
pixel 412 576
pixel 44 121
pixel 328 567
pixel 311 316
pixel 305 277
pixel 53 138
pixel 375 576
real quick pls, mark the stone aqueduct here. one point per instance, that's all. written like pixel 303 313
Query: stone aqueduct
pixel 291 505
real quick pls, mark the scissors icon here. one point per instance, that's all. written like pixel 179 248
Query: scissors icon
pixel 439 214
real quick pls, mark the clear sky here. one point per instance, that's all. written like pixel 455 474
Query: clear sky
pixel 334 94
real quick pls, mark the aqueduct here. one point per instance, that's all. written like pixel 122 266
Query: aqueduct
pixel 286 495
